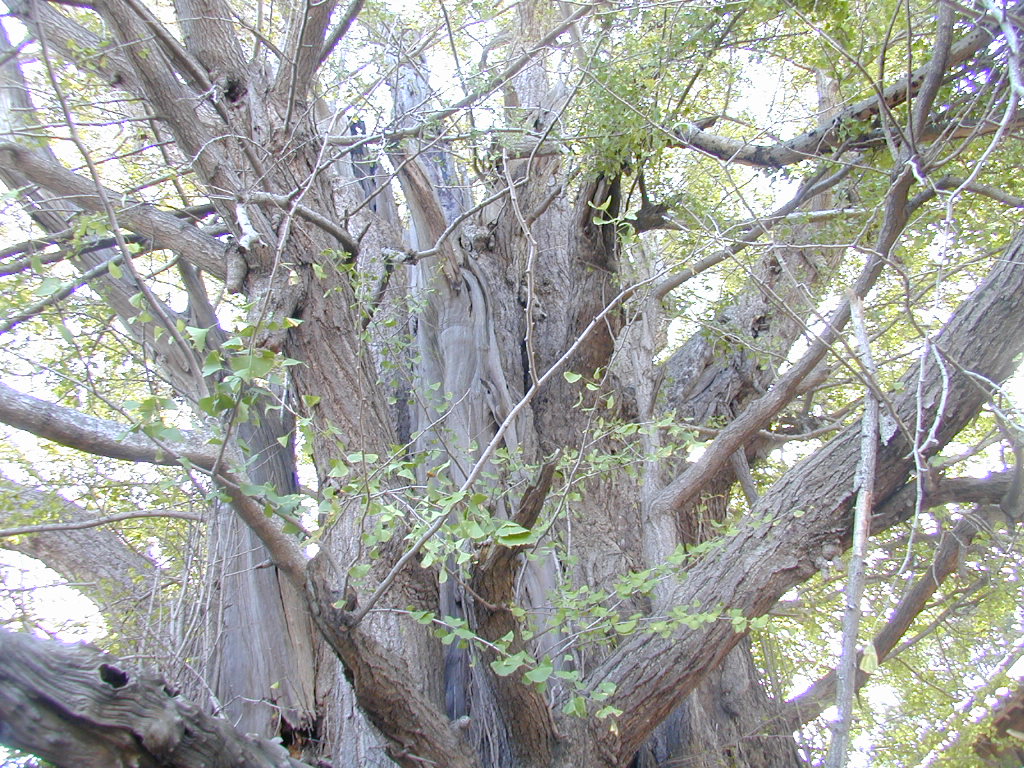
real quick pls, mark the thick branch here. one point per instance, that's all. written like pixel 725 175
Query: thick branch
pixel 494 584
pixel 417 731
pixel 307 28
pixel 824 139
pixel 209 35
pixel 165 230
pixel 82 556
pixel 80 708
pixel 777 549
pixel 100 437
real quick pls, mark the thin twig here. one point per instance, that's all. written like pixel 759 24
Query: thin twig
pixel 846 670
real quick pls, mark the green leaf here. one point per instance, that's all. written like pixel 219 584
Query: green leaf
pixel 869 659
pixel 541 673
pixel 115 270
pixel 576 707
pixel 49 286
pixel 506 666
pixel 512 534
pixel 255 365
pixel 572 377
pixel 626 627
pixel 198 336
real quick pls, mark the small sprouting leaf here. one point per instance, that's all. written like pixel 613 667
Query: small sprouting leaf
pixel 49 286
pixel 115 270
pixel 576 706
pixel 869 659
pixel 572 377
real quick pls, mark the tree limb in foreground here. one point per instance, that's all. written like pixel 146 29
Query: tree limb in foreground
pixel 78 707
pixel 100 437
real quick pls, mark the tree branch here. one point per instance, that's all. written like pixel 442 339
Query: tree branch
pixel 81 555
pixel 776 548
pixel 100 437
pixel 166 231
pixel 846 672
pixel 417 731
pixel 822 140
pixel 354 9
pixel 493 582
pixel 80 708
pixel 210 37
pixel 95 522
pixel 71 39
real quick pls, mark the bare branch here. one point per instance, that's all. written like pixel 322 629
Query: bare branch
pixel 339 32
pixel 754 231
pixel 822 140
pixel 100 437
pixel 166 231
pixel 846 672
pixel 686 486
pixel 95 522
pixel 59 295
pixel 285 202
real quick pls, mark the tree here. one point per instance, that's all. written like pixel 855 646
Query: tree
pixel 486 375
